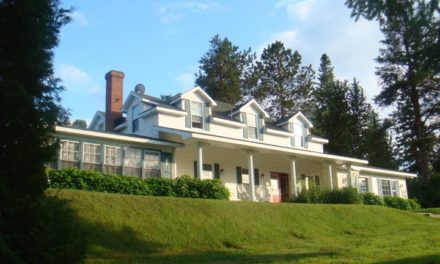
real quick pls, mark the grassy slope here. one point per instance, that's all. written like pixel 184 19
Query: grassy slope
pixel 430 210
pixel 138 229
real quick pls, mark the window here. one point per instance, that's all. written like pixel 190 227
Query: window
pixel 135 119
pixel 113 160
pixel 394 188
pixel 363 185
pixel 69 150
pixel 207 167
pixel 298 131
pixel 151 163
pixel 112 156
pixel 316 180
pixel 244 171
pixel 92 153
pixel 386 187
pixel 252 126
pixel 196 114
pixel 132 162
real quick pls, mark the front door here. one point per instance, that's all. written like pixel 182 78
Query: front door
pixel 283 185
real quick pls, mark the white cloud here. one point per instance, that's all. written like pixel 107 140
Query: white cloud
pixel 186 80
pixel 79 18
pixel 325 26
pixel 70 73
pixel 173 12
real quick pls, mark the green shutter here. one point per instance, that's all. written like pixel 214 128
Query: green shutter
pixel 245 129
pixel 195 169
pixel 188 113
pixel 239 181
pixel 216 171
pixel 256 177
pixel 206 117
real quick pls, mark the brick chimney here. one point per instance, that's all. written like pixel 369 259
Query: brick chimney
pixel 113 98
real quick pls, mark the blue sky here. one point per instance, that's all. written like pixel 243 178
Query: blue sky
pixel 159 43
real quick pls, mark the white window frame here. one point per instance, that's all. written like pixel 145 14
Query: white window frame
pixel 69 152
pixel 88 155
pixel 252 126
pixel 299 137
pixel 382 187
pixel 147 159
pixel 196 114
pixel 117 161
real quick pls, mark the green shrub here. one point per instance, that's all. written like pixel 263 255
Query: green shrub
pixel 312 195
pixel 185 186
pixel 414 204
pixel 342 196
pixel 372 199
pixel 396 202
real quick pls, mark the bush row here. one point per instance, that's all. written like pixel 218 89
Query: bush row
pixel 351 196
pixel 184 186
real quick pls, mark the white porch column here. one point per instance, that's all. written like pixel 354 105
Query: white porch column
pixel 330 175
pixel 349 176
pixel 199 159
pixel 251 174
pixel 307 182
pixel 293 189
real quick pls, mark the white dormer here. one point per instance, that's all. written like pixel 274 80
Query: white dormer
pixel 253 115
pixel 299 127
pixel 198 107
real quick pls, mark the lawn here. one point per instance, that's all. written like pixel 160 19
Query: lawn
pixel 429 210
pixel 140 229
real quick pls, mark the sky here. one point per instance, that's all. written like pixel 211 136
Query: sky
pixel 159 43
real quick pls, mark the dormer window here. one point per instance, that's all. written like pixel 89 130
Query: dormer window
pixel 196 114
pixel 252 126
pixel 298 134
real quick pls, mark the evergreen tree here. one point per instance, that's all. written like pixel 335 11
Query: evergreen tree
pixel 29 110
pixel 409 73
pixel 378 145
pixel 280 83
pixel 222 70
pixel 360 112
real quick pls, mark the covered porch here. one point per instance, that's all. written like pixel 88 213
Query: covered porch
pixel 259 172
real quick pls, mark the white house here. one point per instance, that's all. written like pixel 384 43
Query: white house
pixel 257 158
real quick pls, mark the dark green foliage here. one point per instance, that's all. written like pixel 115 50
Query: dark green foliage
pixel 351 196
pixel 400 203
pixel 281 83
pixel 427 193
pixel 409 73
pixel 185 186
pixel 372 199
pixel 342 196
pixel 79 123
pixel 29 109
pixel 223 69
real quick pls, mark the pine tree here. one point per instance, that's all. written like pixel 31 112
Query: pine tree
pixel 29 108
pixel 410 72
pixel 222 70
pixel 280 83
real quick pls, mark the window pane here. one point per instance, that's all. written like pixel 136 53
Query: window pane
pixel 151 160
pixel 92 153
pixel 363 185
pixel 69 151
pixel 252 132
pixel 298 129
pixel 113 156
pixel 251 120
pixel 132 158
pixel 196 108
pixel 197 121
pixel 386 188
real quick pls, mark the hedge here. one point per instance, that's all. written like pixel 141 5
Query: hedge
pixel 351 196
pixel 184 186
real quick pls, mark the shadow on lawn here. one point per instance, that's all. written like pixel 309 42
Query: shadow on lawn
pixel 430 259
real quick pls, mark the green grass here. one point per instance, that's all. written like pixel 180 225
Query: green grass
pixel 139 229
pixel 429 210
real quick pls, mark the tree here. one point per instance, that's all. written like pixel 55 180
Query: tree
pixel 222 69
pixel 29 107
pixel 80 123
pixel 378 146
pixel 360 112
pixel 281 83
pixel 409 73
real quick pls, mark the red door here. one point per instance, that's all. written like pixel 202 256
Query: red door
pixel 283 185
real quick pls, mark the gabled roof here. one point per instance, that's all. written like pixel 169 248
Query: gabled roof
pixel 202 93
pixel 96 117
pixel 297 114
pixel 250 102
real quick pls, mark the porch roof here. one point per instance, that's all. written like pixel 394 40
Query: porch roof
pixel 188 135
